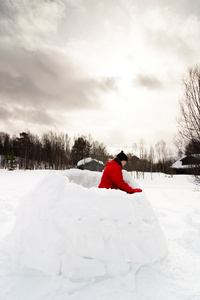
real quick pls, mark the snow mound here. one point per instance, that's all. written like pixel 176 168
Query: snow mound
pixel 81 233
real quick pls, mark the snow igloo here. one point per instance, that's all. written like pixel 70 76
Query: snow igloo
pixel 66 225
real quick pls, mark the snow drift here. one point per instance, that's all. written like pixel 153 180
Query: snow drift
pixel 66 225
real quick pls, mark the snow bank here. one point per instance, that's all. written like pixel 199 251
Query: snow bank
pixel 65 228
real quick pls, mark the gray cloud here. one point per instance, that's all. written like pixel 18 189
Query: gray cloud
pixel 4 113
pixel 148 81
pixel 172 44
pixel 18 89
pixel 34 116
pixel 39 79
pixel 109 84
pixel 182 7
pixel 30 20
pixel 31 116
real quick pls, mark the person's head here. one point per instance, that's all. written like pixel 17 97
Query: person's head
pixel 123 158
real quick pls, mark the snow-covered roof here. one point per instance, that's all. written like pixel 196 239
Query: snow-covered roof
pixel 87 160
pixel 179 163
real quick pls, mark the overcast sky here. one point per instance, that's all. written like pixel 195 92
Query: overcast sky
pixel 109 68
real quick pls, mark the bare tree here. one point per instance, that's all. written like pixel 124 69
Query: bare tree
pixel 98 151
pixel 161 154
pixel 189 119
pixel 151 159
pixel 143 155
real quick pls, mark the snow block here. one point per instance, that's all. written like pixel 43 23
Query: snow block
pixel 65 228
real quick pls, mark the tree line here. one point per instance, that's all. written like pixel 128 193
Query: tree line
pixel 51 151
pixel 54 151
pixel 158 158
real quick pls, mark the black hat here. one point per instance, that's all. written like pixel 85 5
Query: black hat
pixel 122 156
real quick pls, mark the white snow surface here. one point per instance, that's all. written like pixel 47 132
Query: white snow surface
pixel 63 238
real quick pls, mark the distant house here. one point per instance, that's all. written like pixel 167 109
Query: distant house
pixel 189 164
pixel 90 164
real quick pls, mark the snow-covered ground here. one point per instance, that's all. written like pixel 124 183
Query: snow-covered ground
pixel 62 238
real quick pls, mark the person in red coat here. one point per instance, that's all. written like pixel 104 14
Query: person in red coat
pixel 112 175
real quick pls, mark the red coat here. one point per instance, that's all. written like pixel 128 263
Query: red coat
pixel 112 178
